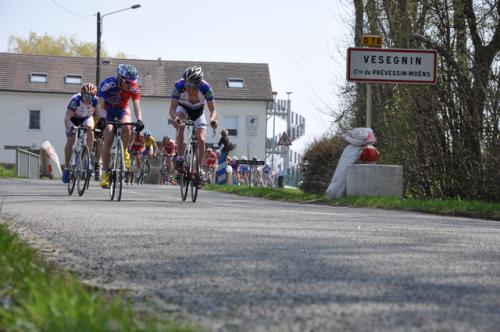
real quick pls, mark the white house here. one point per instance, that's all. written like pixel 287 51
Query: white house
pixel 35 91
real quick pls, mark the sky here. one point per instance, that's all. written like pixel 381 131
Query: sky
pixel 304 43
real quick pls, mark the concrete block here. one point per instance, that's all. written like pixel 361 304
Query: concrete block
pixel 374 180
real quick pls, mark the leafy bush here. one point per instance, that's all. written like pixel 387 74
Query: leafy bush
pixel 319 162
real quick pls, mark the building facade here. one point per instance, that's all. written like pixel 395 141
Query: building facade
pixel 35 92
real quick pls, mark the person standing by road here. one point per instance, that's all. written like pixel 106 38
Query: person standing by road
pixel 114 94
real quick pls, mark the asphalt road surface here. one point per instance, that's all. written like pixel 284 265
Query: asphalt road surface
pixel 231 263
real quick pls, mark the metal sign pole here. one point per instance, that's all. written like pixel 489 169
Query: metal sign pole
pixel 368 105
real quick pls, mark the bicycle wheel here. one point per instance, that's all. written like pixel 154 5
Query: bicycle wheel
pixel 83 172
pixel 185 176
pixel 119 171
pixel 112 176
pixel 72 181
pixel 194 170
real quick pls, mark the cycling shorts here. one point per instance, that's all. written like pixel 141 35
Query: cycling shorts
pixel 87 121
pixel 200 120
pixel 116 114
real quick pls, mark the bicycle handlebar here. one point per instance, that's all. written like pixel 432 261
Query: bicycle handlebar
pixel 119 124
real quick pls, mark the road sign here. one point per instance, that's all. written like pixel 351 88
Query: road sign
pixel 285 140
pixel 371 40
pixel 250 162
pixel 385 65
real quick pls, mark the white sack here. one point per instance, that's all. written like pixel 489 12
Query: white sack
pixel 337 186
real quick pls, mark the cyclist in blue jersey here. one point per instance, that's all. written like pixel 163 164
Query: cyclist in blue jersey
pixel 188 102
pixel 114 94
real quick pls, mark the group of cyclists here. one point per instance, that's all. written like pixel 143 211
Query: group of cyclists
pixel 97 107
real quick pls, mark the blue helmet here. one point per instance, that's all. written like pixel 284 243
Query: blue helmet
pixel 127 72
pixel 147 133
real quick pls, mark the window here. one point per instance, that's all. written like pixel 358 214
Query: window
pixel 73 79
pixel 231 124
pixel 38 78
pixel 34 122
pixel 236 83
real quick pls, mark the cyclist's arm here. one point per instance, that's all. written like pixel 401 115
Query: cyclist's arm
pixel 67 118
pixel 137 109
pixel 101 112
pixel 213 110
pixel 174 103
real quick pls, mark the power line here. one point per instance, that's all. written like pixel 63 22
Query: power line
pixel 69 11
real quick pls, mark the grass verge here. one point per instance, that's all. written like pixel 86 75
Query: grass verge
pixel 452 207
pixel 7 172
pixel 37 297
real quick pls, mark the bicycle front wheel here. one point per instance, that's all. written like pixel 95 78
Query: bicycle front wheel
pixel 185 176
pixel 120 171
pixel 72 181
pixel 194 170
pixel 83 172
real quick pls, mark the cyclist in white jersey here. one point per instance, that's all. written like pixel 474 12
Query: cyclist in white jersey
pixel 188 101
pixel 80 112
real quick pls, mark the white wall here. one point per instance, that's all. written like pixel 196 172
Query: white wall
pixel 14 115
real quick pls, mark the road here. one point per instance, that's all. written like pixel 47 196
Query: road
pixel 231 263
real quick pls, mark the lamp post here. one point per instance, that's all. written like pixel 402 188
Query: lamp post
pixel 286 155
pixel 99 33
pixel 273 142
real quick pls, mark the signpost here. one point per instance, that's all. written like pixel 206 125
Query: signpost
pixel 285 140
pixel 385 65
pixel 377 65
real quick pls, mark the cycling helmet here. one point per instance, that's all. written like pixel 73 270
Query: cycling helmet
pixel 147 133
pixel 165 138
pixel 127 72
pixel 89 88
pixel 193 74
pixel 209 150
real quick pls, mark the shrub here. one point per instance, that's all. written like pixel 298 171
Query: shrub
pixel 319 162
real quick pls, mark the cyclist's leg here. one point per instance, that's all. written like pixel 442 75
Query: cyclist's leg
pixel 126 130
pixel 181 113
pixel 201 125
pixel 89 123
pixel 70 141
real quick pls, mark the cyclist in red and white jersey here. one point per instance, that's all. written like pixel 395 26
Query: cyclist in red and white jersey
pixel 114 94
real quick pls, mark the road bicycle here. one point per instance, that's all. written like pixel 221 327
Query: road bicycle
pixel 79 166
pixel 190 175
pixel 132 172
pixel 117 163
pixel 145 168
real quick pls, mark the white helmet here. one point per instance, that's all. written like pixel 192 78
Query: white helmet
pixel 193 74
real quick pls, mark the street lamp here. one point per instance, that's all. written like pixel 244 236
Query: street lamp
pixel 99 33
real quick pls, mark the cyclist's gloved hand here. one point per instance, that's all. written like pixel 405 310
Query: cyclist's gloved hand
pixel 101 124
pixel 139 126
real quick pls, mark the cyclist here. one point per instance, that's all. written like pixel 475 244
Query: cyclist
pixel 210 162
pixel 243 171
pixel 188 101
pixel 144 145
pixel 169 150
pixel 114 94
pixel 80 111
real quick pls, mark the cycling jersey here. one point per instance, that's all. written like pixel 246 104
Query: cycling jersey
pixel 194 109
pixel 150 142
pixel 79 109
pixel 141 142
pixel 169 147
pixel 211 159
pixel 115 98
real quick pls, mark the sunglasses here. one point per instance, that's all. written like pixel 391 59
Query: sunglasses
pixel 87 97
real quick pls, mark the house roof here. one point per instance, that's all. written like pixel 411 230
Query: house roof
pixel 158 76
